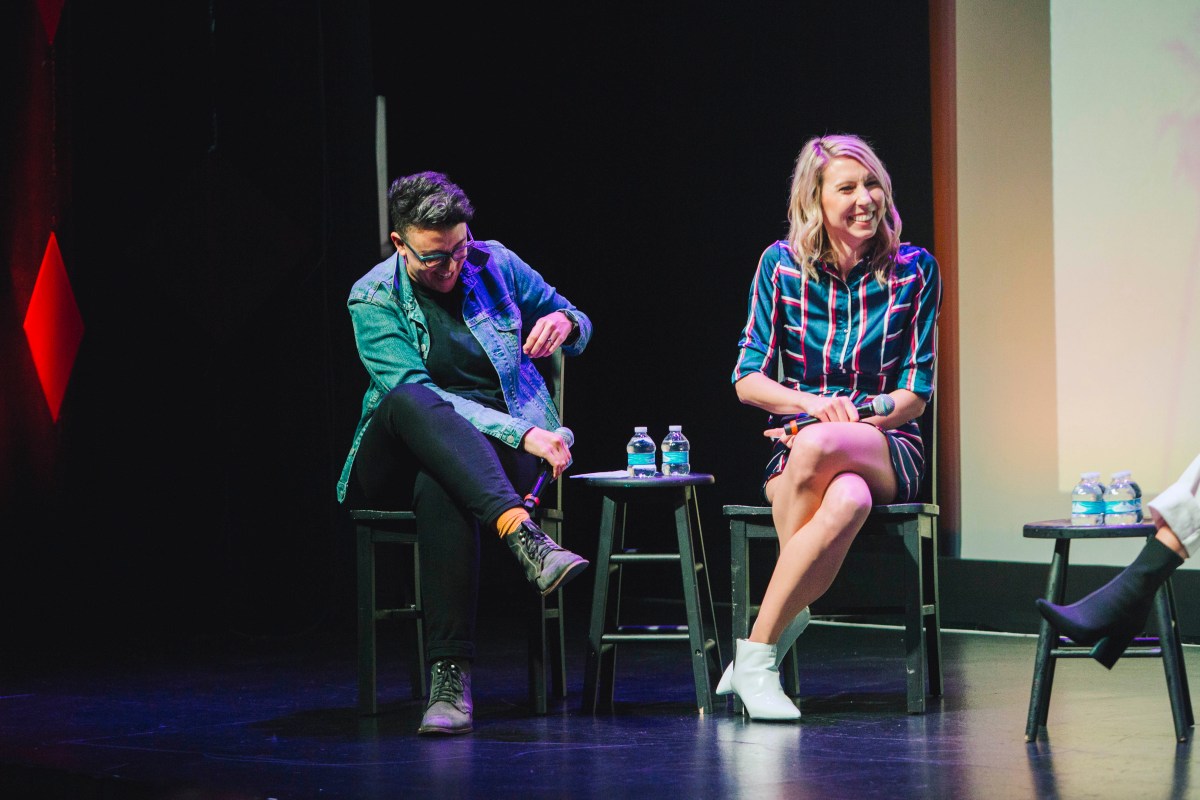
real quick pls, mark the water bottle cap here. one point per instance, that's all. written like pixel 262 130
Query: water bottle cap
pixel 1090 475
pixel 640 429
pixel 1122 474
pixel 675 428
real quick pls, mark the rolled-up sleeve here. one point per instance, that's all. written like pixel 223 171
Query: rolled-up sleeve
pixel 917 368
pixel 757 347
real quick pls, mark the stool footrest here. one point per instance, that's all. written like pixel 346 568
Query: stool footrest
pixel 396 613
pixel 644 558
pixel 614 638
pixel 652 628
pixel 1080 651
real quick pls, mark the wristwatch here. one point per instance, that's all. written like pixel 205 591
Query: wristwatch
pixel 574 334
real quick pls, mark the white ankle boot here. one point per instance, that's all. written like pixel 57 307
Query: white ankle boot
pixel 786 639
pixel 755 679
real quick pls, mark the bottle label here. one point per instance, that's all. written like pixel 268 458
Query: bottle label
pixel 641 459
pixel 1087 506
pixel 675 456
pixel 1123 506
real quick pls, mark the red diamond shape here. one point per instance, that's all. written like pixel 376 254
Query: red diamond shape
pixel 53 326
pixel 51 12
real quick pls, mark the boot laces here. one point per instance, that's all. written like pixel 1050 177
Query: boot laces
pixel 537 545
pixel 447 683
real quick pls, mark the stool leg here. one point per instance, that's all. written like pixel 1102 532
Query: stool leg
pixel 914 628
pixel 419 677
pixel 1043 665
pixel 933 621
pixel 739 581
pixel 1168 641
pixel 1183 679
pixel 539 657
pixel 597 678
pixel 691 600
pixel 366 621
pixel 558 645
pixel 708 608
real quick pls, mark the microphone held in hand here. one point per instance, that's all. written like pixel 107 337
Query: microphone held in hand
pixel 879 406
pixel 531 500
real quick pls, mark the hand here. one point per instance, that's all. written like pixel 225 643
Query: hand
pixel 549 447
pixel 826 409
pixel 547 335
pixel 838 408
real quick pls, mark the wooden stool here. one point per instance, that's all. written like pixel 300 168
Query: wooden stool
pixel 605 632
pixel 1052 647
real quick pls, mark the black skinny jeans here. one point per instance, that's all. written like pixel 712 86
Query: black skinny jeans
pixel 419 453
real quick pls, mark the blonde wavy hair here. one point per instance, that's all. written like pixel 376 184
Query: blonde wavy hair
pixel 806 235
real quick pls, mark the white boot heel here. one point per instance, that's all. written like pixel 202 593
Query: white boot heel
pixel 755 679
pixel 786 639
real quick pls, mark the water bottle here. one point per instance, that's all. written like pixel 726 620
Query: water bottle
pixel 1087 500
pixel 1123 500
pixel 675 450
pixel 640 451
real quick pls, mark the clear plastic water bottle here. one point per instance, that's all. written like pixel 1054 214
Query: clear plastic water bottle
pixel 1123 500
pixel 1087 500
pixel 640 452
pixel 676 452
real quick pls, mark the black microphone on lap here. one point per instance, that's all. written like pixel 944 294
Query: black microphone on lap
pixel 531 500
pixel 880 405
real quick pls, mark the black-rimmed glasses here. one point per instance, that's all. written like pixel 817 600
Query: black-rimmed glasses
pixel 439 257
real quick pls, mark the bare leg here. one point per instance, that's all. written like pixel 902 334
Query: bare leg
pixel 834 474
pixel 1169 538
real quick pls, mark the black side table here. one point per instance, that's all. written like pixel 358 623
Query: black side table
pixel 622 491
pixel 1052 647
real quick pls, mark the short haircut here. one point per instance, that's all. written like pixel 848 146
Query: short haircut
pixel 427 200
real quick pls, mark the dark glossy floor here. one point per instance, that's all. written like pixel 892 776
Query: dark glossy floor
pixel 265 718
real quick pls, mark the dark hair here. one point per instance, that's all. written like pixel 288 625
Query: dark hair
pixel 427 200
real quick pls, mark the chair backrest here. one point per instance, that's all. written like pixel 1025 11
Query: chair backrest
pixel 554 371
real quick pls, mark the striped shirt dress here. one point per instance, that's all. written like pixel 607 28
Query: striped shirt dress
pixel 854 337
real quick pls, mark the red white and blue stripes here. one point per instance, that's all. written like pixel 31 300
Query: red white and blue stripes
pixel 854 337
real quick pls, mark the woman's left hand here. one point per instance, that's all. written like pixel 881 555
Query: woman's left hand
pixel 548 335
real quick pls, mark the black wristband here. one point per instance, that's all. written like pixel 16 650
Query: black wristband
pixel 574 334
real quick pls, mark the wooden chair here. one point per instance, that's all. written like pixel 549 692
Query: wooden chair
pixel 547 641
pixel 911 529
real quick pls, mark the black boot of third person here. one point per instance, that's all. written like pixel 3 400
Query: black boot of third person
pixel 1113 614
pixel 547 566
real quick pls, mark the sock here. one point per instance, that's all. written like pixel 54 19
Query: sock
pixel 511 520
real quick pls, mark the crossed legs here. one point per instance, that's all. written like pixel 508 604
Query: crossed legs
pixel 836 471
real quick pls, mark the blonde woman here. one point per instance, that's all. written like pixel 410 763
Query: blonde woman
pixel 840 312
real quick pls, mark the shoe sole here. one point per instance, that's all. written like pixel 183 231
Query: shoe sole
pixel 427 730
pixel 568 576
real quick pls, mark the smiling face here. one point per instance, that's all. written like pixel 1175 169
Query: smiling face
pixel 852 202
pixel 433 257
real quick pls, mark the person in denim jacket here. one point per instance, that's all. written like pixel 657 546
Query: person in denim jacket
pixel 456 413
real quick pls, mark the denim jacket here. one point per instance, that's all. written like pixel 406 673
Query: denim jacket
pixel 502 299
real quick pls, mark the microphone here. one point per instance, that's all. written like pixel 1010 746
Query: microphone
pixel 880 405
pixel 531 500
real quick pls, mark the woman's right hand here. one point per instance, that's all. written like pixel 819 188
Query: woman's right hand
pixel 549 447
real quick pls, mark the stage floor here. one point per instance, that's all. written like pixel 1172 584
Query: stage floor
pixel 264 718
